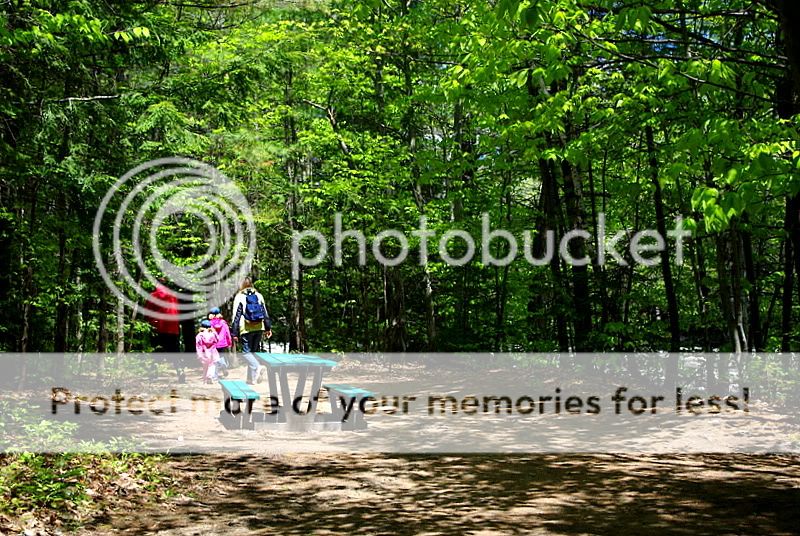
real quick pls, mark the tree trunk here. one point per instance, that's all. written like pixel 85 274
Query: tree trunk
pixel 661 227
pixel 120 332
pixel 316 305
pixel 754 302
pixel 27 263
pixel 671 371
pixel 551 220
pixel 62 311
pixel 582 305
pixel 297 338
pixel 700 273
pixel 599 269
pixel 789 14
pixel 795 216
pixel 626 306
pixel 394 293
pixel 102 330
pixel 501 273
pixel 465 146
pixel 188 330
pixel 729 271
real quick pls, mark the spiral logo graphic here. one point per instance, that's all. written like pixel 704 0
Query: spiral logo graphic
pixel 175 201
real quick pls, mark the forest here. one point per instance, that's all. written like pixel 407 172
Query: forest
pixel 544 114
pixel 597 120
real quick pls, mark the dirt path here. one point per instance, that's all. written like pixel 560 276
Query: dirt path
pixel 278 489
pixel 544 494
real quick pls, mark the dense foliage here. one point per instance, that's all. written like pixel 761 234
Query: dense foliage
pixel 545 114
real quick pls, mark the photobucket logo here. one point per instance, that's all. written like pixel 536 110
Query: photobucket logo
pixel 142 211
pixel 643 247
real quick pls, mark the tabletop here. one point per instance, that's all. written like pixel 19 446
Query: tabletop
pixel 294 360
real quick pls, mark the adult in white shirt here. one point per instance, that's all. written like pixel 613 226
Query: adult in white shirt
pixel 250 323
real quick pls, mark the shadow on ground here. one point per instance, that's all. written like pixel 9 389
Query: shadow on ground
pixel 595 494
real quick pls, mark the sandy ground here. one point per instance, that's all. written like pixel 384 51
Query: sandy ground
pixel 275 489
pixel 544 494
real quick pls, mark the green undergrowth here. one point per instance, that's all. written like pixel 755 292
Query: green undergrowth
pixel 46 492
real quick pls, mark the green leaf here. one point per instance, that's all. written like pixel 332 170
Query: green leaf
pixel 530 15
pixel 520 78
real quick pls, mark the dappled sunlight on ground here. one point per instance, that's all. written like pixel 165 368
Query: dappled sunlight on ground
pixel 588 494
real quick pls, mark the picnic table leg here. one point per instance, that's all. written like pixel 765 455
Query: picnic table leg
pixel 316 384
pixel 273 390
pixel 356 415
pixel 235 414
pixel 336 408
pixel 285 393
pixel 302 374
pixel 249 405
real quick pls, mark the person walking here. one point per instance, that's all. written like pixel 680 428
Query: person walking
pixel 163 303
pixel 206 345
pixel 250 323
pixel 225 341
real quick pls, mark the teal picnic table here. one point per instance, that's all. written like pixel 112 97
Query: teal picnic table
pixel 307 367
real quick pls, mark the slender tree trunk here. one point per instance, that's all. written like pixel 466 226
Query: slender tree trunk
pixel 501 273
pixel 120 332
pixel 788 274
pixel 661 227
pixel 754 302
pixel 394 304
pixel 465 146
pixel 796 239
pixel 700 274
pixel 582 305
pixel 626 306
pixel 368 341
pixel 316 305
pixel 785 91
pixel 297 338
pixel 188 332
pixel 599 269
pixel 671 371
pixel 729 269
pixel 62 311
pixel 27 280
pixel 81 312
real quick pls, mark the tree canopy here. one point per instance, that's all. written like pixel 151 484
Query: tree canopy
pixel 544 114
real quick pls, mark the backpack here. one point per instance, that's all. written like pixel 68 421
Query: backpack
pixel 253 310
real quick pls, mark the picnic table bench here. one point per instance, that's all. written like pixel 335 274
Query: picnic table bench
pixel 238 402
pixel 346 403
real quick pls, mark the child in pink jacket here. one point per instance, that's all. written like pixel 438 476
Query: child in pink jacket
pixel 224 333
pixel 221 327
pixel 206 345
